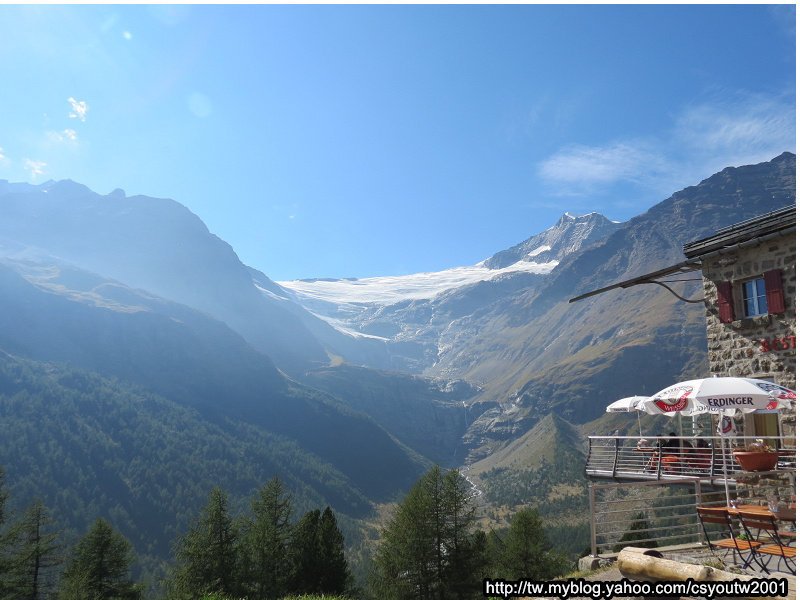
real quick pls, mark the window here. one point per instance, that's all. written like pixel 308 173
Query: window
pixel 754 295
pixel 746 299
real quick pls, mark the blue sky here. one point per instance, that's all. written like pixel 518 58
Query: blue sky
pixel 352 141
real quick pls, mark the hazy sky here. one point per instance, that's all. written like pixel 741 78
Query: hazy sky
pixel 336 141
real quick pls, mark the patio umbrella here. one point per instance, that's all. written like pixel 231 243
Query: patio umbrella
pixel 629 404
pixel 723 396
pixel 719 395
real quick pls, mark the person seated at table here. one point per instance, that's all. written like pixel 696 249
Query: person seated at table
pixel 700 458
pixel 670 453
pixel 672 441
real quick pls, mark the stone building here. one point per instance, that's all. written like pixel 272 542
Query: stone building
pixel 749 282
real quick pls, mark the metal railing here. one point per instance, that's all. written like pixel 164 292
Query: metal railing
pixel 648 514
pixel 661 458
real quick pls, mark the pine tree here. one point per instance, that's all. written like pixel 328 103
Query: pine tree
pixel 265 543
pixel 207 554
pixel 464 549
pixel 3 538
pixel 430 549
pixel 334 573
pixel 3 496
pixel 99 567
pixel 304 554
pixel 637 534
pixel 526 551
pixel 34 553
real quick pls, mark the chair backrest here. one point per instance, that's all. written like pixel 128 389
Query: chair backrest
pixel 709 515
pixel 760 522
pixel 718 516
pixel 757 520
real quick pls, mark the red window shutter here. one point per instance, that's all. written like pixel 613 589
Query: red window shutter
pixel 773 282
pixel 725 301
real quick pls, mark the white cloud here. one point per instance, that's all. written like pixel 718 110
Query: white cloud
pixel 703 139
pixel 756 125
pixel 67 135
pixel 35 167
pixel 127 35
pixel 2 154
pixel 596 164
pixel 79 109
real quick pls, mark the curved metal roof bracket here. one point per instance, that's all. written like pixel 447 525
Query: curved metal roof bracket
pixel 674 293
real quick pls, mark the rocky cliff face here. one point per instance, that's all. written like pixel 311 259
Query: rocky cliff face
pixel 568 236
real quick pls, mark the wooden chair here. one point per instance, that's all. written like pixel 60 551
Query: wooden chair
pixel 731 543
pixel 766 522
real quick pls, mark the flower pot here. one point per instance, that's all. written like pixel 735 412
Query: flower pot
pixel 756 461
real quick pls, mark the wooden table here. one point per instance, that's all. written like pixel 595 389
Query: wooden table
pixel 784 512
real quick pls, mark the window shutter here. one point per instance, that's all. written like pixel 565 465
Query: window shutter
pixel 725 301
pixel 773 282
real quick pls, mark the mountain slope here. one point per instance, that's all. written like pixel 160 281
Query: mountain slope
pixel 427 415
pixel 542 354
pixel 193 361
pixel 90 447
pixel 157 245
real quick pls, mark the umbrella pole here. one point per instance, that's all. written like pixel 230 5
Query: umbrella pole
pixel 639 418
pixel 725 473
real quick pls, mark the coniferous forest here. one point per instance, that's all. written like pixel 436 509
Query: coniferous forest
pixel 431 548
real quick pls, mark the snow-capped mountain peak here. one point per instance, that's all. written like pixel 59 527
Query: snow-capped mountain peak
pixel 539 254
pixel 568 235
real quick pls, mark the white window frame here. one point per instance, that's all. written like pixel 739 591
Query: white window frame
pixel 750 290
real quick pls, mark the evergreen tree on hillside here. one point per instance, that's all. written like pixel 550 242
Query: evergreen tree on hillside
pixel 316 554
pixel 430 549
pixel 206 555
pixel 265 543
pixel 34 554
pixel 637 534
pixel 526 552
pixel 464 548
pixel 304 553
pixel 99 566
pixel 334 574
pixel 3 540
pixel 3 496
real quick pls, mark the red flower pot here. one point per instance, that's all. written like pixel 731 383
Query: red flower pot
pixel 756 461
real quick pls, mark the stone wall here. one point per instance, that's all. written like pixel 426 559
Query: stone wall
pixel 737 349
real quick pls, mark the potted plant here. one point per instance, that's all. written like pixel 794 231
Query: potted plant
pixel 757 456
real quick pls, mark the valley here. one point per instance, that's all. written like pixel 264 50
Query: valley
pixel 141 362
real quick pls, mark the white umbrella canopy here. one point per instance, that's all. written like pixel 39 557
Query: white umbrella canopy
pixel 624 405
pixel 718 395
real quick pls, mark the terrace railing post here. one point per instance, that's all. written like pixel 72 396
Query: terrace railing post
pixel 592 519
pixel 616 458
pixel 713 458
pixel 658 459
pixel 698 495
pixel 588 456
